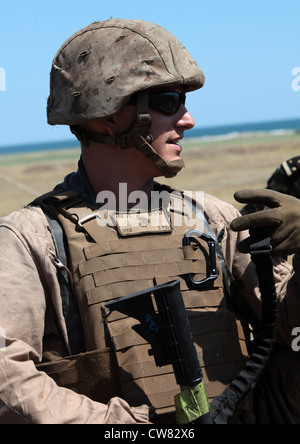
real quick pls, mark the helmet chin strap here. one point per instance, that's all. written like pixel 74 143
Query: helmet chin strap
pixel 138 135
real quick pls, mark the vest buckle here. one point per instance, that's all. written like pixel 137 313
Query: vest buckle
pixel 83 220
pixel 213 272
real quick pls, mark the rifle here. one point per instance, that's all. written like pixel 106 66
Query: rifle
pixel 168 331
pixel 166 328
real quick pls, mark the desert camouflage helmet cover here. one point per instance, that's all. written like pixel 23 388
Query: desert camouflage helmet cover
pixel 100 67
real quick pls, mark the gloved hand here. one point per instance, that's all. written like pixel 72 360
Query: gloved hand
pixel 282 215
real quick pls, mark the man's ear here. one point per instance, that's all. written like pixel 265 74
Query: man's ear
pixel 101 126
pixel 107 125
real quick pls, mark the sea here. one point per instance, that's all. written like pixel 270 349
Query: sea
pixel 276 127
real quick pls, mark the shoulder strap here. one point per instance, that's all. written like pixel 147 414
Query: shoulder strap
pixel 69 304
pixel 223 406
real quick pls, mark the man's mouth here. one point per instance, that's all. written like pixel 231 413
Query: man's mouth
pixel 175 142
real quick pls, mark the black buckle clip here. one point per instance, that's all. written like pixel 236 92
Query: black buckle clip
pixel 213 272
pixel 260 242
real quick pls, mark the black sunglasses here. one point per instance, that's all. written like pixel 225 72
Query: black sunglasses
pixel 167 102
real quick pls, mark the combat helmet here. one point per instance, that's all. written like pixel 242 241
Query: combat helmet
pixel 101 67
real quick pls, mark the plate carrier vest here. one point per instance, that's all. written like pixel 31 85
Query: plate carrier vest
pixel 108 262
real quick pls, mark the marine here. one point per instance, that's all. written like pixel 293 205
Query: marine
pixel 122 87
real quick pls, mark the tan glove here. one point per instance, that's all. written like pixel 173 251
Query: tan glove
pixel 282 215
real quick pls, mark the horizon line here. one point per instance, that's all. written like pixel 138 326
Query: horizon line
pixel 75 142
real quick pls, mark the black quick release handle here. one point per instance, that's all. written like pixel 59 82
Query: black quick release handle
pixel 167 329
pixel 213 273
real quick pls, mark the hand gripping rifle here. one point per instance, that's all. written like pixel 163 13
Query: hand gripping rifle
pixel 167 330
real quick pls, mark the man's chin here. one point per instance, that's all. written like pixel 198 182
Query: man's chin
pixel 172 172
pixel 175 166
pixel 176 170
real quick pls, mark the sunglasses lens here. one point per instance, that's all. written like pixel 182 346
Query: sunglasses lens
pixel 167 102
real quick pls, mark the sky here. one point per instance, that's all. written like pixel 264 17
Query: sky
pixel 248 50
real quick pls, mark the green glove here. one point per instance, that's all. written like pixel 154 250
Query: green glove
pixel 283 215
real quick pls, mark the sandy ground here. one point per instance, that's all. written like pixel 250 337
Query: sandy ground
pixel 217 167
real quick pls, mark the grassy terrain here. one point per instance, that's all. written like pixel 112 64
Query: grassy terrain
pixel 218 167
pixel 222 167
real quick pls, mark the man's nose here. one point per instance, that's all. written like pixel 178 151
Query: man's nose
pixel 186 119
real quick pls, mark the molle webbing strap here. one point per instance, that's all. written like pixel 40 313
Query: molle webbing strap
pixel 127 245
pixel 140 271
pixel 117 290
pixel 137 258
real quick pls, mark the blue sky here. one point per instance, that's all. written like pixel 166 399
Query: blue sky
pixel 247 50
